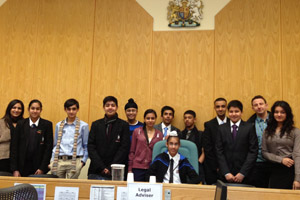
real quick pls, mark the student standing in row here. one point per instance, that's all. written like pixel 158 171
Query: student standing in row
pixel 131 110
pixel 143 140
pixel 70 144
pixel 14 113
pixel 167 115
pixel 192 134
pixel 108 142
pixel 31 144
pixel 211 165
pixel 236 147
pixel 281 146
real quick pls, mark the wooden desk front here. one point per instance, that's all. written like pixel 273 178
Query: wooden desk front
pixel 178 192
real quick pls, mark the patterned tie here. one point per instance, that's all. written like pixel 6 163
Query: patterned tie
pixel 234 131
pixel 165 131
pixel 171 170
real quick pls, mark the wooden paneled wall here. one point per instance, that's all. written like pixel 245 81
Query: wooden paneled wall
pixel 248 51
pixel 55 50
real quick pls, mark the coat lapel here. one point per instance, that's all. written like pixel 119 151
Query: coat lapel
pixel 240 131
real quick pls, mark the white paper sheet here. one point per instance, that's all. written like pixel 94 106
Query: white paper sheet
pixel 66 193
pixel 102 192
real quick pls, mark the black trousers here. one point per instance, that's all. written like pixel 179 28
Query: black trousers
pixel 281 177
pixel 261 174
pixel 211 174
pixel 5 165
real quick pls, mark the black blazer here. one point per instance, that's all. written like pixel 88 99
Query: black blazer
pixel 209 138
pixel 43 145
pixel 103 150
pixel 239 155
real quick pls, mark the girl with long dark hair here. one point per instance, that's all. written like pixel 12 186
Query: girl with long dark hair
pixel 143 140
pixel 14 113
pixel 281 146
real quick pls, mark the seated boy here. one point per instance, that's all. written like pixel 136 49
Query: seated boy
pixel 172 167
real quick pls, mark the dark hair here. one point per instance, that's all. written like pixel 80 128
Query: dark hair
pixel 236 104
pixel 163 109
pixel 220 99
pixel 35 101
pixel 191 112
pixel 146 113
pixel 150 111
pixel 110 98
pixel 258 97
pixel 131 104
pixel 288 124
pixel 172 136
pixel 71 102
pixel 7 117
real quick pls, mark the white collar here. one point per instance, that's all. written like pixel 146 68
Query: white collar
pixel 221 121
pixel 163 126
pixel 36 123
pixel 176 158
pixel 237 123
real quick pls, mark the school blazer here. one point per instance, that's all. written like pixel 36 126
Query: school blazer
pixel 43 145
pixel 239 155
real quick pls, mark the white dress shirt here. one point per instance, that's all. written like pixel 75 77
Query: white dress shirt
pixel 176 177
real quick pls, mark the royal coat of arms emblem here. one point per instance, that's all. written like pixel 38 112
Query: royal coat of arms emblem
pixel 185 13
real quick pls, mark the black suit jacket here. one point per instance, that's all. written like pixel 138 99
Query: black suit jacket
pixel 239 155
pixel 195 137
pixel 103 150
pixel 43 145
pixel 209 138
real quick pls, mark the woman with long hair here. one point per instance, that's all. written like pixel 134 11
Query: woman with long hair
pixel 31 143
pixel 143 140
pixel 14 112
pixel 281 146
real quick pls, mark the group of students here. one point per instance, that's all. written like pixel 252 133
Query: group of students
pixel 264 151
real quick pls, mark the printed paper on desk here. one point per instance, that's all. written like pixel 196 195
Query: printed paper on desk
pixel 66 193
pixel 141 191
pixel 102 192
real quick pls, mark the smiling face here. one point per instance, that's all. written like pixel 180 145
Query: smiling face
pixel 150 120
pixel 16 110
pixel 35 111
pixel 131 113
pixel 173 144
pixel 234 114
pixel 110 109
pixel 279 114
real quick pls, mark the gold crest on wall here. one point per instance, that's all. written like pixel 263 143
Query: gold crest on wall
pixel 185 13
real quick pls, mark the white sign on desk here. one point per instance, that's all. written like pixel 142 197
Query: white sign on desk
pixel 139 191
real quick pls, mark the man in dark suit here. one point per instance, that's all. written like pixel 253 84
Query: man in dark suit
pixel 167 115
pixel 31 143
pixel 209 138
pixel 236 147
pixel 108 142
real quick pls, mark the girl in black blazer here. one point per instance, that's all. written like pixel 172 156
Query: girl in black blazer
pixel 31 144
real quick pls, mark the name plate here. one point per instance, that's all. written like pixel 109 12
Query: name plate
pixel 149 191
